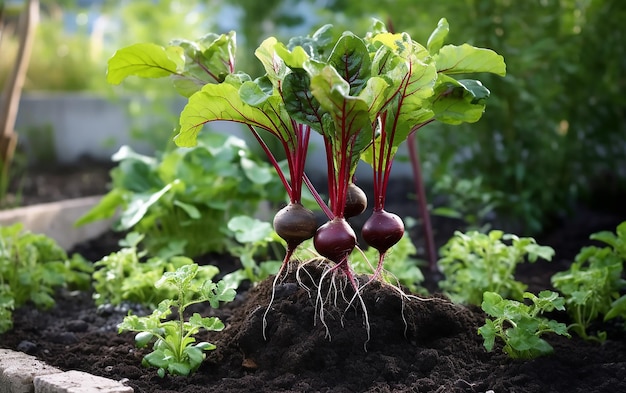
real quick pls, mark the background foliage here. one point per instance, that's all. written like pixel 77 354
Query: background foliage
pixel 554 130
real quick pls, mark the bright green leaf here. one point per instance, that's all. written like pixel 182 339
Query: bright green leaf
pixel 143 60
pixel 465 59
pixel 222 102
pixel 438 36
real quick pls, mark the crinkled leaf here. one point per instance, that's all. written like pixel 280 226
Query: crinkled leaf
pixel 555 327
pixel 350 114
pixel 295 58
pixel 216 293
pixel 317 45
pixel 299 101
pixel 526 346
pixel 256 93
pixel 464 59
pixel 207 60
pixel 412 84
pixel 351 60
pixel 180 278
pixel 375 94
pixel 411 101
pixel 143 60
pixel 493 304
pixel 546 301
pixel 208 323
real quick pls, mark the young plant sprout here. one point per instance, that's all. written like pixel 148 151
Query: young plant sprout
pixel 364 96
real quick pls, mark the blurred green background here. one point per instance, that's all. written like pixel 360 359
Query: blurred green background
pixel 554 132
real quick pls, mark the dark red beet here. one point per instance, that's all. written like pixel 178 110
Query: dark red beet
pixel 356 201
pixel 382 230
pixel 295 223
pixel 335 240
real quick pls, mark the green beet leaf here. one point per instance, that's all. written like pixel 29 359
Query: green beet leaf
pixel 300 103
pixel 456 102
pixel 223 102
pixel 438 36
pixel 143 60
pixel 465 59
pixel 351 60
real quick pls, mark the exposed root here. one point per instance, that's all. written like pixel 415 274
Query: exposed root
pixel 331 289
pixel 277 279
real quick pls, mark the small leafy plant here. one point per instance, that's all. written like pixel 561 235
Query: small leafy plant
pixel 182 199
pixel 592 284
pixel 475 262
pixel 520 326
pixel 32 267
pixel 175 350
pixel 127 275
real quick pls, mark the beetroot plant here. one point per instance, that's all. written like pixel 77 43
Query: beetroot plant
pixel 364 95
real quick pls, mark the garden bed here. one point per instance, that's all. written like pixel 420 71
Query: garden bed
pixel 428 345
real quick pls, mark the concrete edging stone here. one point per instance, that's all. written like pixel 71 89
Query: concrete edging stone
pixel 22 373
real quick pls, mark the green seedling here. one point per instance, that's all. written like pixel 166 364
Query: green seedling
pixel 32 267
pixel 175 350
pixel 520 326
pixel 592 284
pixel 477 262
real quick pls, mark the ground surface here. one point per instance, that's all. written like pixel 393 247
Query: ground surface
pixel 415 345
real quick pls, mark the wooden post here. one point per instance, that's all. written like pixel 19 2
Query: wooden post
pixel 13 88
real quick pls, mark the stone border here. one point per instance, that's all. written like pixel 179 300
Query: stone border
pixel 21 373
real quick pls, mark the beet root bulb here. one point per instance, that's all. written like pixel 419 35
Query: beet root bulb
pixel 295 223
pixel 383 230
pixel 356 201
pixel 335 240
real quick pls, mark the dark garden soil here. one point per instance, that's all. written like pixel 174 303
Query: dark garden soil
pixel 415 344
